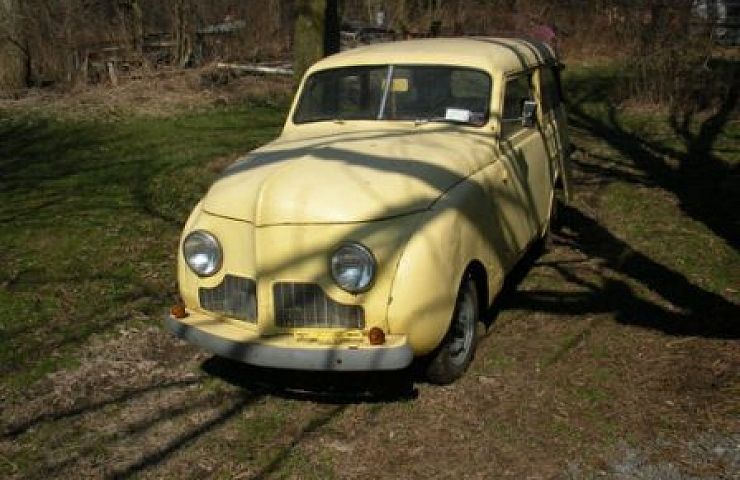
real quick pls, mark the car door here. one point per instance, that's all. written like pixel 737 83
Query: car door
pixel 524 153
pixel 553 121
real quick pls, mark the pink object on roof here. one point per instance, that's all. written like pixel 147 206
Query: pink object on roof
pixel 543 33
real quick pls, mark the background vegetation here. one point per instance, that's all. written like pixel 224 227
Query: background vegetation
pixel 665 48
pixel 612 355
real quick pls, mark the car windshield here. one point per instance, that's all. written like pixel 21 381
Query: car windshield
pixel 396 92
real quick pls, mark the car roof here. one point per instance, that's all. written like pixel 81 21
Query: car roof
pixel 488 53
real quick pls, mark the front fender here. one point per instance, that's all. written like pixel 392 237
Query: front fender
pixel 449 237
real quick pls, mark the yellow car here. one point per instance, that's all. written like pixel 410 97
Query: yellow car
pixel 409 178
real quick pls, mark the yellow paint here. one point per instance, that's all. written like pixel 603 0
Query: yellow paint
pixel 427 200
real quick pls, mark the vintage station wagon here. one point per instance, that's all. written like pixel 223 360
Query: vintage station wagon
pixel 409 178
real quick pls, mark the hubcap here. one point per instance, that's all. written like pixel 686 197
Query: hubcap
pixel 463 329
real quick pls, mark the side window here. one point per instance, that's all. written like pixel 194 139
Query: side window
pixel 517 90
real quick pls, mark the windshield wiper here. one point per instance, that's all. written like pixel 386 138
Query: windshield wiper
pixel 386 91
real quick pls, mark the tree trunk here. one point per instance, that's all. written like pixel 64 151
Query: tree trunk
pixel 131 17
pixel 332 28
pixel 183 32
pixel 14 60
pixel 276 16
pixel 400 22
pixel 316 32
pixel 137 27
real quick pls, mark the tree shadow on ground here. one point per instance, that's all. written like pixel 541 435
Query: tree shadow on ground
pixel 175 444
pixel 315 424
pixel 707 187
pixel 129 425
pixel 684 310
pixel 14 430
pixel 60 161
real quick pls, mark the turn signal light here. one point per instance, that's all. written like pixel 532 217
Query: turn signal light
pixel 376 336
pixel 178 311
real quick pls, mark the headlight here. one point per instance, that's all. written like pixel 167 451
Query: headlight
pixel 202 253
pixel 353 267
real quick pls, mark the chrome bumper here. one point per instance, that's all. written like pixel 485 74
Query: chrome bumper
pixel 297 357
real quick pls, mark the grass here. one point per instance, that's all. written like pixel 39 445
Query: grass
pixel 91 213
pixel 298 465
pixel 686 246
pixel 622 332
pixel 669 180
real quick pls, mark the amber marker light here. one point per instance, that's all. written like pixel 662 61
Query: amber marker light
pixel 376 336
pixel 178 311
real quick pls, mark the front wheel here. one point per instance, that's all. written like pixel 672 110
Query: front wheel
pixel 454 355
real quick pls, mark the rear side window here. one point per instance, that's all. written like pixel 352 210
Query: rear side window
pixel 550 89
pixel 518 89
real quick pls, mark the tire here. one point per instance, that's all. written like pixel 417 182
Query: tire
pixel 556 211
pixel 544 242
pixel 553 222
pixel 451 359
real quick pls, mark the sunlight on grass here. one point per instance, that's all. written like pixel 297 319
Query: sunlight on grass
pixel 92 212
pixel 651 223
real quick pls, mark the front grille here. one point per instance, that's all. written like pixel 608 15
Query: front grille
pixel 235 297
pixel 306 305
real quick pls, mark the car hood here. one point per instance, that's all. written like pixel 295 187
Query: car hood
pixel 347 177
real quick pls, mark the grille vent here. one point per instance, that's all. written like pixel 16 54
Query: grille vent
pixel 306 305
pixel 235 297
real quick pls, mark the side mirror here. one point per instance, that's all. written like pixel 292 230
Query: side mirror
pixel 529 109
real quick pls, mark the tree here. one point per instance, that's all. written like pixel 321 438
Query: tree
pixel 316 32
pixel 14 59
pixel 137 26
pixel 183 19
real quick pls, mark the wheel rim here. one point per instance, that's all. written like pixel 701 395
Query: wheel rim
pixel 463 329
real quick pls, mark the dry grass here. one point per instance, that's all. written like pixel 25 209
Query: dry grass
pixel 579 388
pixel 160 94
pixel 608 359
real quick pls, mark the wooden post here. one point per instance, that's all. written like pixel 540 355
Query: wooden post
pixel 83 75
pixel 112 74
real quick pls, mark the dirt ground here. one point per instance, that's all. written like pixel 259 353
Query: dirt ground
pixel 579 376
pixel 600 362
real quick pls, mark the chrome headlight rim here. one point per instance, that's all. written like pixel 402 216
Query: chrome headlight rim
pixel 363 251
pixel 210 239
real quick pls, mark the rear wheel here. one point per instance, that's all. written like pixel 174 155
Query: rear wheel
pixel 543 244
pixel 553 222
pixel 454 355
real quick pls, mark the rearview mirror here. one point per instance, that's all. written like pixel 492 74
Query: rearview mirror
pixel 529 109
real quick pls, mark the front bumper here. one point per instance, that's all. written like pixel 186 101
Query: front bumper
pixel 286 351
